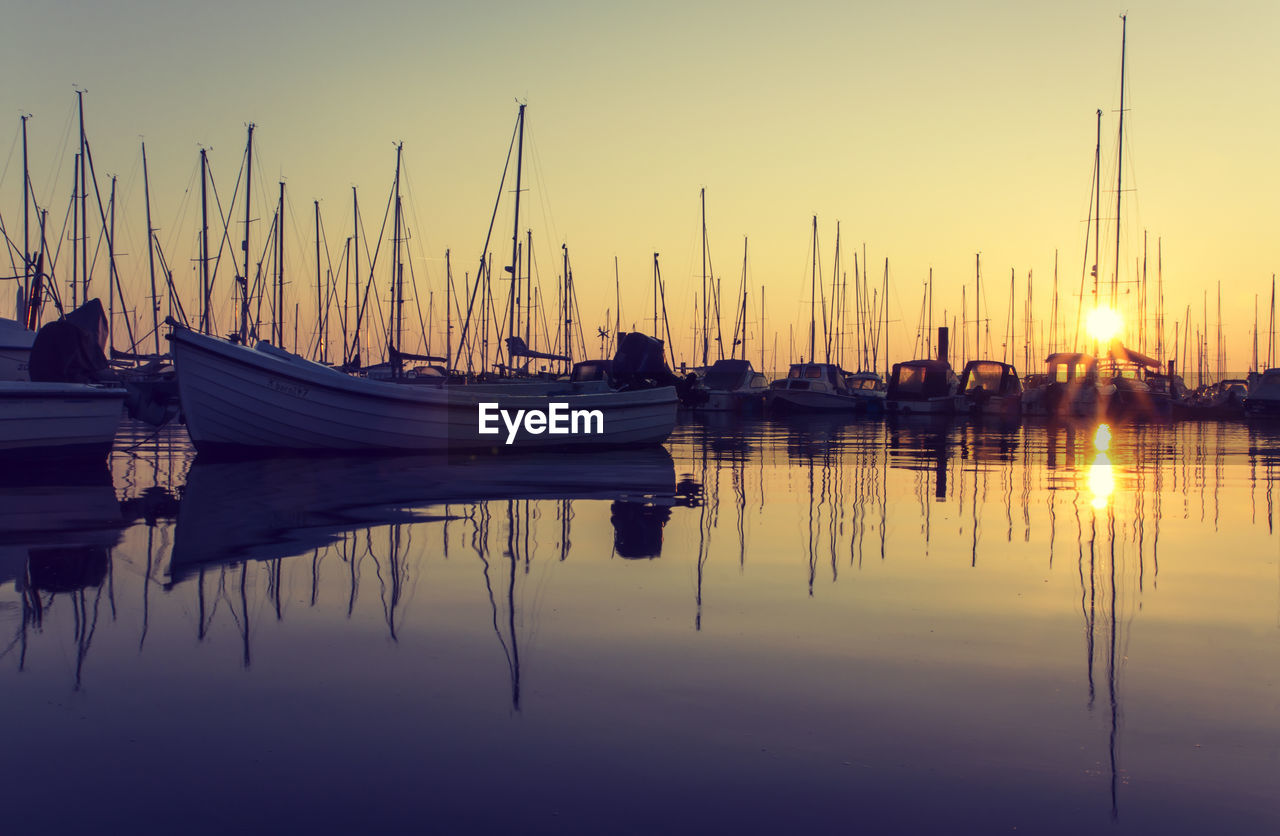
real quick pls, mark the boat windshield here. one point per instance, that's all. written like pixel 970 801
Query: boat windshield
pixel 987 376
pixel 911 379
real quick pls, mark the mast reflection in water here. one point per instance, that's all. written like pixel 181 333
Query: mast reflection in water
pixel 813 625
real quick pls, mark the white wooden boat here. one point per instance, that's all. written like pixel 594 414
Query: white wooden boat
pixel 266 399
pixel 58 419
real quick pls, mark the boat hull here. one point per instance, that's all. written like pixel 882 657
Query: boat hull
pixel 236 399
pixel 942 405
pixel 58 419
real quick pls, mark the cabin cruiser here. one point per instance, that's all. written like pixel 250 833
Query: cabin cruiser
pixel 923 386
pixel 991 388
pixel 1224 400
pixel 732 386
pixel 1134 397
pixel 818 387
pixel 1071 388
pixel 1264 395
pixel 869 386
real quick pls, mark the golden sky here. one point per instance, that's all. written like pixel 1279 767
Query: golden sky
pixel 930 131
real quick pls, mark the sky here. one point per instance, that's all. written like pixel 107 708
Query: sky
pixel 930 131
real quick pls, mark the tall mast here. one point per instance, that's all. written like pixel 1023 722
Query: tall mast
pixel 112 279
pixel 355 248
pixel 205 319
pixel 397 271
pixel 244 278
pixel 655 302
pixel 1115 281
pixel 84 205
pixel 885 302
pixel 280 268
pixel 1097 210
pixel 322 309
pixel 514 269
pixel 528 286
pixel 75 234
pixel 702 197
pixel 448 313
pixel 26 223
pixel 813 287
pixel 151 258
pixel 977 301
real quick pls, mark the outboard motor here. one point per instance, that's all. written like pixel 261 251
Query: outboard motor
pixel 639 363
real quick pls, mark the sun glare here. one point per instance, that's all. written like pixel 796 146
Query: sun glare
pixel 1104 324
pixel 1102 482
pixel 1102 438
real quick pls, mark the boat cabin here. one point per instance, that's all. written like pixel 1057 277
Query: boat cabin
pixel 990 378
pixel 920 380
pixel 734 376
pixel 864 382
pixel 823 377
pixel 1067 367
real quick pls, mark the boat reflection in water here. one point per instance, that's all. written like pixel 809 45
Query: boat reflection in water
pixel 57 529
pixel 367 512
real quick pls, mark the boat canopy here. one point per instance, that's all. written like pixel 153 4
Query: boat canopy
pixel 1118 353
pixel 920 379
pixel 992 377
pixel 728 374
pixel 815 371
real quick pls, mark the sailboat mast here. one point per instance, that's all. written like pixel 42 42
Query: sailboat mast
pixel 813 288
pixel 355 248
pixel 397 271
pixel 702 197
pixel 322 310
pixel 514 269
pixel 1097 210
pixel 84 204
pixel 279 339
pixel 26 224
pixel 1115 281
pixel 977 301
pixel 111 274
pixel 528 286
pixel 885 302
pixel 448 313
pixel 151 259
pixel 204 242
pixel 244 277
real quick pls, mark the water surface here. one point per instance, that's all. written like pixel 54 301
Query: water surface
pixel 766 626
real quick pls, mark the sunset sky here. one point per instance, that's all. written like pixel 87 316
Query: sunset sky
pixel 930 131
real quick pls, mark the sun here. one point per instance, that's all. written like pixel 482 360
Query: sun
pixel 1104 324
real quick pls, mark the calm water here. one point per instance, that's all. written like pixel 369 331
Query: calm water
pixel 767 627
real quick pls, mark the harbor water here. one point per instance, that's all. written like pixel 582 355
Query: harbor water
pixel 812 625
